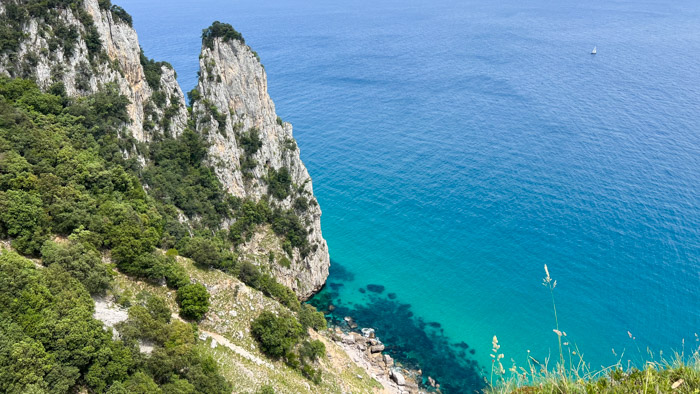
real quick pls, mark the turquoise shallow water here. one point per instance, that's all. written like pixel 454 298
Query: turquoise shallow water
pixel 458 146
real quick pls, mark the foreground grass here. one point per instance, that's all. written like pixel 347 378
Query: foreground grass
pixel 679 375
pixel 571 374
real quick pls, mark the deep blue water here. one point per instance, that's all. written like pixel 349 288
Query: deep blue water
pixel 458 146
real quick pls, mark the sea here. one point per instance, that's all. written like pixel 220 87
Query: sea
pixel 459 146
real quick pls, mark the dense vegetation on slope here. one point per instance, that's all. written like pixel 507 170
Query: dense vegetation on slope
pixel 62 172
pixel 49 341
pixel 279 337
pixel 66 170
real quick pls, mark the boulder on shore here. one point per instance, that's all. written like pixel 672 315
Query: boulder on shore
pixel 368 332
pixel 398 378
pixel 377 348
pixel 388 360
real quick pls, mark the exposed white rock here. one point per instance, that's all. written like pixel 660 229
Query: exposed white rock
pixel 146 347
pixel 233 81
pixel 108 312
pixel 82 75
pixel 397 377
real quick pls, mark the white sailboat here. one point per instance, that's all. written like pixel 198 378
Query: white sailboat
pixel 594 51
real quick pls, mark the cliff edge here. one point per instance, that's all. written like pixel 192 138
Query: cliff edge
pixel 82 47
pixel 255 156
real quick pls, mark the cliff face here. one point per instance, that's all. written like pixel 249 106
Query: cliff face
pixel 64 51
pixel 235 108
pixel 87 47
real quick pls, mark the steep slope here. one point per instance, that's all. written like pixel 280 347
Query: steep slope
pixel 254 153
pixel 226 328
pixel 81 47
pixel 85 47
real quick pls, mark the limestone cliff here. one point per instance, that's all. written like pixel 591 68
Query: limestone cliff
pixel 235 111
pixel 86 48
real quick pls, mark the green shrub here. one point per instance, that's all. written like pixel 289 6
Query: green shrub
pixel 176 276
pixel 203 251
pixel 177 177
pixel 310 373
pixel 117 388
pixel 284 262
pixel 249 274
pixel 312 350
pixel 220 30
pixel 81 260
pixel 290 144
pixel 62 167
pixel 193 96
pixel 250 141
pixel 141 383
pixel 220 117
pixel 276 335
pixel 143 325
pixel 120 14
pixel 285 223
pixel 104 4
pixel 157 308
pixel 23 219
pixel 37 306
pixel 270 287
pixel 279 183
pixel 301 204
pixel 159 97
pixel 193 300
pixel 266 389
pixel 310 317
pixel 152 69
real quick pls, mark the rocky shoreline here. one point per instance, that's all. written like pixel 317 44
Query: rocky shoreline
pixel 367 351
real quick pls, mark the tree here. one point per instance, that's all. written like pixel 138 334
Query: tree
pixel 279 183
pixel 140 383
pixel 309 317
pixel 312 350
pixel 203 251
pixel 193 300
pixel 223 30
pixel 81 260
pixel 276 336
pixel 22 217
